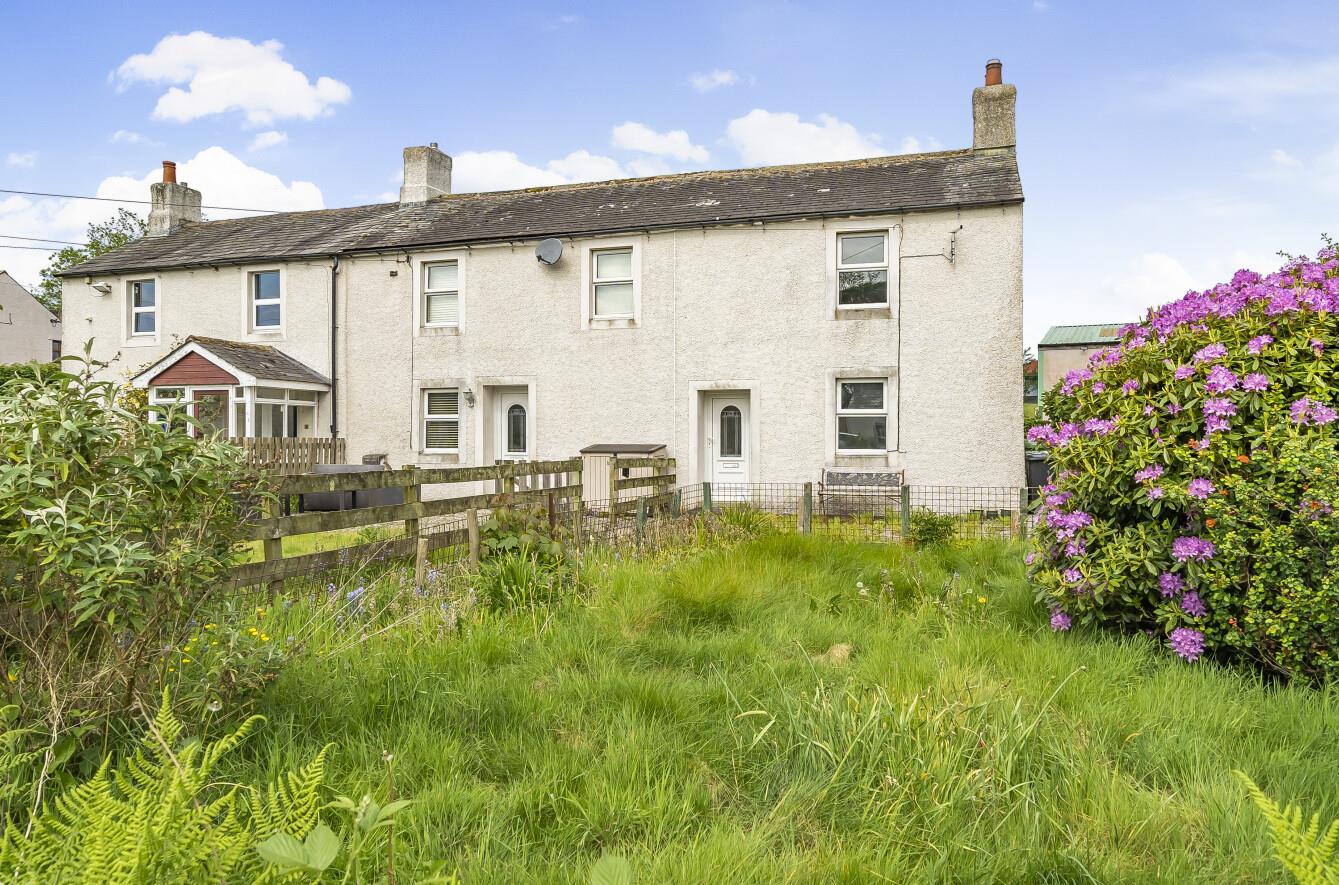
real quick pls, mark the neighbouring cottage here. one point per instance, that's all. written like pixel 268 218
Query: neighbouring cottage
pixel 761 324
pixel 1066 348
pixel 28 331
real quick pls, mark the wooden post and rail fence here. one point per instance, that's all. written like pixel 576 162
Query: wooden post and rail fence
pixel 538 483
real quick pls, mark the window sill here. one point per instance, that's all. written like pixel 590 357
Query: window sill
pixel 613 323
pixel 434 331
pixel 140 341
pixel 861 459
pixel 438 458
pixel 876 312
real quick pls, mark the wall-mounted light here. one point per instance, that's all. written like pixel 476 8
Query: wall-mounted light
pixel 102 288
pixel 469 398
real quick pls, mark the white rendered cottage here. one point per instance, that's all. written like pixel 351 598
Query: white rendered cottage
pixel 761 324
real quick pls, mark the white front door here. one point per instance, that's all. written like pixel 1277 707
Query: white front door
pixel 728 444
pixel 513 429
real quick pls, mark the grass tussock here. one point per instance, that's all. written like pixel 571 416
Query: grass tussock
pixel 800 710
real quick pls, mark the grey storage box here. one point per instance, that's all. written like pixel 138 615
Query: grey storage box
pixel 350 500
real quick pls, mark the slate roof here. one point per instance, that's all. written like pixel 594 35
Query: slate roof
pixel 265 362
pixel 896 184
pixel 1072 336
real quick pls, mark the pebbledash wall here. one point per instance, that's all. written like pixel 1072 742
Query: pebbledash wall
pixel 743 307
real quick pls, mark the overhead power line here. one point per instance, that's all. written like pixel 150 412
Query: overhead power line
pixel 118 200
pixel 40 240
pixel 35 248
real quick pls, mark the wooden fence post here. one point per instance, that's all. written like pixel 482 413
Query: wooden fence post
pixel 551 506
pixel 1022 514
pixel 472 527
pixel 421 564
pixel 806 509
pixel 706 497
pixel 676 504
pixel 411 496
pixel 613 484
pixel 577 503
pixel 641 520
pixel 904 494
pixel 273 547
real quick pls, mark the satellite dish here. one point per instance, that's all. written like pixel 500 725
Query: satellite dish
pixel 549 251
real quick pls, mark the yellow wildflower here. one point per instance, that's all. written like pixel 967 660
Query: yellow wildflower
pixel 264 638
pixel 981 599
pixel 12 677
pixel 185 660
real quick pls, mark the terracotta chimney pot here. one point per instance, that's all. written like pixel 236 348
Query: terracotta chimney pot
pixel 994 72
pixel 169 172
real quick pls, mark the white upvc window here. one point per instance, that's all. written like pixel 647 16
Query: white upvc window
pixel 441 420
pixel 266 297
pixel 441 294
pixel 612 284
pixel 143 297
pixel 862 269
pixel 862 415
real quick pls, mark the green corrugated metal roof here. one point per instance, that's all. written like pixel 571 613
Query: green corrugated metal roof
pixel 1061 336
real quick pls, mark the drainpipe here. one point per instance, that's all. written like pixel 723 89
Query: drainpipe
pixel 334 326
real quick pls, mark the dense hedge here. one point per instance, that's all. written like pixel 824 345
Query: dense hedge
pixel 1195 476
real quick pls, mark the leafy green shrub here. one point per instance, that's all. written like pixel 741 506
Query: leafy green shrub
pixel 521 579
pixel 1195 476
pixel 523 530
pixel 1312 856
pixel 748 520
pixel 931 529
pixel 115 533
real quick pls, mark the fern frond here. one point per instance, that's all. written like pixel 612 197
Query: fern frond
pixel 1299 845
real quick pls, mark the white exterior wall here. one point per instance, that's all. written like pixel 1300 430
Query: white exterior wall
pixel 743 307
pixel 201 301
pixel 26 327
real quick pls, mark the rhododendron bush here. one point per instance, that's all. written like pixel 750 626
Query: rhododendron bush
pixel 1195 476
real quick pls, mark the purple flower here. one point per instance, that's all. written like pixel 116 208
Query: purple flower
pixel 1029 559
pixel 1170 584
pixel 1076 548
pixel 1257 344
pixel 1099 426
pixel 1129 387
pixel 1192 605
pixel 1060 621
pixel 1191 547
pixel 1156 492
pixel 1309 411
pixel 1221 379
pixel 1183 372
pixel 1072 575
pixel 1152 471
pixel 1216 424
pixel 1099 386
pixel 1058 499
pixel 1148 410
pixel 1210 353
pixel 1317 345
pixel 1200 487
pixel 1219 406
pixel 1187 643
pixel 1174 408
pixel 1256 382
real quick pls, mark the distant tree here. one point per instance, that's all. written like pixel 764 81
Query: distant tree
pixel 102 237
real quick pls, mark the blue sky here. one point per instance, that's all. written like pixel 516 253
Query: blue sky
pixel 1162 145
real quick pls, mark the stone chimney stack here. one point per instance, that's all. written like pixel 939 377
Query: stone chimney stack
pixel 993 111
pixel 172 204
pixel 427 174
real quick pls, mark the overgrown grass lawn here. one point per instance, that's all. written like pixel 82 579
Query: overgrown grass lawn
pixel 749 715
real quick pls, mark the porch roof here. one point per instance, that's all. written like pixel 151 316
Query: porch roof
pixel 251 363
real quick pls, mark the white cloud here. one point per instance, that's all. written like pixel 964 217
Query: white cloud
pixel 127 136
pixel 497 171
pixel 1256 84
pixel 1280 157
pixel 639 137
pixel 910 144
pixel 268 139
pixel 28 159
pixel 221 177
pixel 225 74
pixel 764 138
pixel 582 165
pixel 713 79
